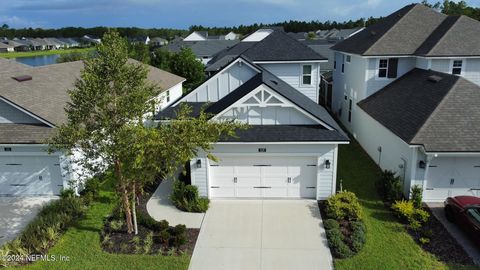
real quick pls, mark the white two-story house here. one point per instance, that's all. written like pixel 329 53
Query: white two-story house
pixel 407 88
pixel 270 81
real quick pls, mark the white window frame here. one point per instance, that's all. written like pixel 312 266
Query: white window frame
pixel 303 75
pixel 462 67
pixel 348 58
pixel 377 69
pixel 167 95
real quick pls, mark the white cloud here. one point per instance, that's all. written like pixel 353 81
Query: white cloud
pixel 18 22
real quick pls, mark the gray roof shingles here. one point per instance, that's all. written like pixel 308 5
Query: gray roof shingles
pixel 442 116
pixel 278 46
pixel 416 30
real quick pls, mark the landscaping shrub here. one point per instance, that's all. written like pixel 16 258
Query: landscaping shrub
pixel 407 212
pixel 337 244
pixel 358 236
pixel 178 235
pixel 67 193
pixel 344 206
pixel 150 223
pixel 331 224
pixel 186 198
pixel 46 228
pixel 91 186
pixel 417 196
pixel 390 186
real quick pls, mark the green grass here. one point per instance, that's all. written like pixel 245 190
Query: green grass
pixel 81 243
pixel 388 246
pixel 41 53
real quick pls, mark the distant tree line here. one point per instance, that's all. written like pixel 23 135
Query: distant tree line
pixel 68 32
pixel 454 8
pixel 288 26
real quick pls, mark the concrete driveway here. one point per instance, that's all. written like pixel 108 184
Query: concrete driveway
pixel 16 213
pixel 262 234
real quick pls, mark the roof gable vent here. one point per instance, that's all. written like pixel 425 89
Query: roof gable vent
pixel 22 78
pixel 434 78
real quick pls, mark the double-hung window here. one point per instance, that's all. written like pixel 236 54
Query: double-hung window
pixel 307 75
pixel 168 95
pixel 382 68
pixel 457 67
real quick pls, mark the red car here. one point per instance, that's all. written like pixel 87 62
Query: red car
pixel 465 212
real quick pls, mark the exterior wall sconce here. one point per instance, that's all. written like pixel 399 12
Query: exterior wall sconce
pixel 199 163
pixel 327 164
pixel 421 164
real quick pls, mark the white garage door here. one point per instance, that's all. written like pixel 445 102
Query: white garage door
pixel 30 175
pixel 264 177
pixel 452 177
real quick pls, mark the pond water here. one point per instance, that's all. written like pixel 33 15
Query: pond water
pixel 38 60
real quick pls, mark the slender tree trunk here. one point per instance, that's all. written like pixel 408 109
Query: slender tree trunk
pixel 134 209
pixel 125 200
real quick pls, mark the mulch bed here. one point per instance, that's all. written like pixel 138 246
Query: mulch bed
pixel 121 241
pixel 442 244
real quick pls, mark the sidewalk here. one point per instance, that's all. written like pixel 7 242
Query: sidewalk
pixel 160 207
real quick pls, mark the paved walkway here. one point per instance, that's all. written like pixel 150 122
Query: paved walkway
pixel 160 207
pixel 462 238
pixel 16 213
pixel 262 234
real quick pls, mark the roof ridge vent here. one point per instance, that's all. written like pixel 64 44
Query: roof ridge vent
pixel 434 78
pixel 22 78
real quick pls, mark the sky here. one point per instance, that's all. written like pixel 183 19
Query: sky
pixel 181 14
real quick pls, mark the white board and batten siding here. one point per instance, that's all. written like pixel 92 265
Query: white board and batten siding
pixel 291 73
pixel 319 153
pixel 221 84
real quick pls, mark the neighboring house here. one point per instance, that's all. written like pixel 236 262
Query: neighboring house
pixel 141 39
pixel 203 50
pixel 158 42
pixel 323 47
pixel 6 48
pixel 291 146
pixel 69 42
pixel 197 36
pixel 232 36
pixel 17 46
pixel 90 40
pixel 203 35
pixel 32 102
pixel 407 88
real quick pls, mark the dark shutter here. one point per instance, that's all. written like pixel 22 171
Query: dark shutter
pixel 392 67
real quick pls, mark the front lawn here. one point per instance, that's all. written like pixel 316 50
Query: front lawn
pixel 41 53
pixel 81 243
pixel 388 245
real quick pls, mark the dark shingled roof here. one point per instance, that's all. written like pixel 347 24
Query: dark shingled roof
pixel 278 46
pixel 442 116
pixel 24 133
pixel 416 30
pixel 286 133
pixel 171 112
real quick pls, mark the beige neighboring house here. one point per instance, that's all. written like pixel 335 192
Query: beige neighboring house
pixel 32 102
pixel 6 48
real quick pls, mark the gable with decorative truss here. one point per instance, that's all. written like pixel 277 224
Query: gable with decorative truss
pixel 263 106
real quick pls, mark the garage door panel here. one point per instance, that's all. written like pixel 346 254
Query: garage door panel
pixel 222 184
pixel 30 175
pixel 270 177
pixel 452 177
